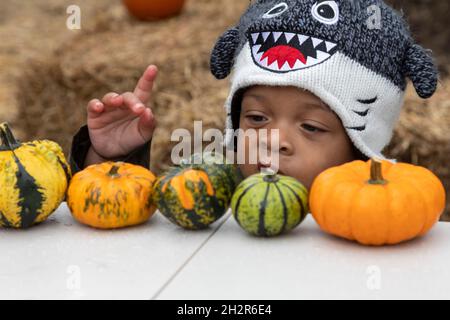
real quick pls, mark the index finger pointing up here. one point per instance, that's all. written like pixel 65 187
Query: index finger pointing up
pixel 144 86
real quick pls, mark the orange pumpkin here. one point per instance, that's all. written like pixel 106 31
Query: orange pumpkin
pixel 112 195
pixel 377 202
pixel 154 9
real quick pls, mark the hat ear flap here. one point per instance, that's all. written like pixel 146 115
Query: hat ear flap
pixel 422 71
pixel 223 54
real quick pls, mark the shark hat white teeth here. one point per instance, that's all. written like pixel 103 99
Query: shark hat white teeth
pixel 285 51
pixel 327 48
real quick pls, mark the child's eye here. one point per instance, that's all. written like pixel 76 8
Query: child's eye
pixel 256 118
pixel 311 128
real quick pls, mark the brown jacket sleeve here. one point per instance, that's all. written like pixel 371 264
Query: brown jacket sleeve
pixel 81 143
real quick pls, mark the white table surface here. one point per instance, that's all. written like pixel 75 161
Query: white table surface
pixel 64 260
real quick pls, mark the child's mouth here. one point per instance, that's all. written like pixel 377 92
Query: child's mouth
pixel 286 51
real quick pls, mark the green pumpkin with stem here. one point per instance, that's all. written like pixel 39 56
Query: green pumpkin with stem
pixel 268 204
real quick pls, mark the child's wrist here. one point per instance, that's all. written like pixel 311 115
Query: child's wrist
pixel 102 157
pixel 94 157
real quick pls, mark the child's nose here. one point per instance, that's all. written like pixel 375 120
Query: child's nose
pixel 281 142
pixel 285 147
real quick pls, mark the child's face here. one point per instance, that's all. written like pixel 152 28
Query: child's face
pixel 311 135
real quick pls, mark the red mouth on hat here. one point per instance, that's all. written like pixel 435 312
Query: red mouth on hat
pixel 285 51
pixel 282 54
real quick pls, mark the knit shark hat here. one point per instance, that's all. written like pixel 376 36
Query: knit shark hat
pixel 355 55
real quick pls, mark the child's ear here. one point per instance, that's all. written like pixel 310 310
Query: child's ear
pixel 422 71
pixel 223 54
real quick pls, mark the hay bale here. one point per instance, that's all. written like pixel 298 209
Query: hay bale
pixel 111 57
pixel 422 136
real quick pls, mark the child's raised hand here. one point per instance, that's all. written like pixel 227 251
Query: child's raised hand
pixel 120 123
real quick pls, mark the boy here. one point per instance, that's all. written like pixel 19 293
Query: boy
pixel 329 75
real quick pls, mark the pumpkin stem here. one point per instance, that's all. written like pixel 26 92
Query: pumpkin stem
pixel 270 176
pixel 376 175
pixel 114 171
pixel 7 136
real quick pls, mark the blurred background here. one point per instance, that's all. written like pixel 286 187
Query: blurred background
pixel 49 72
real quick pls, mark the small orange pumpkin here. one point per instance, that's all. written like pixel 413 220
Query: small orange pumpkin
pixel 377 202
pixel 154 9
pixel 112 195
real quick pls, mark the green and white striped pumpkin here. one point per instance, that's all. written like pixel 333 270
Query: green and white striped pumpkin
pixel 269 204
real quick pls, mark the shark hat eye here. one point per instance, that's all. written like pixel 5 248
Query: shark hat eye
pixel 276 11
pixel 326 12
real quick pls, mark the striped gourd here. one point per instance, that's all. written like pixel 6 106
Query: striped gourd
pixel 269 204
pixel 33 180
pixel 194 196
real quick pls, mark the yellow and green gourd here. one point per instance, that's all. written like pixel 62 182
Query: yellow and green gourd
pixel 33 180
pixel 268 205
pixel 194 196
